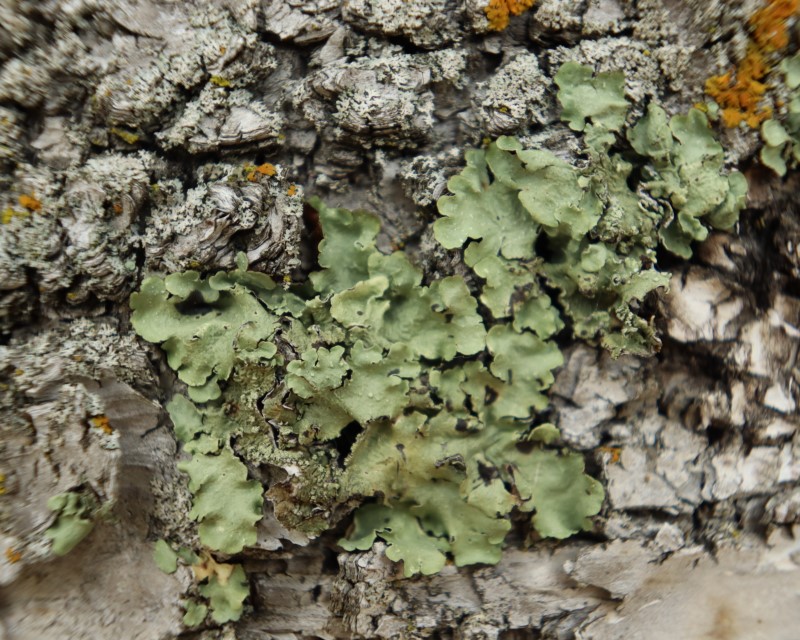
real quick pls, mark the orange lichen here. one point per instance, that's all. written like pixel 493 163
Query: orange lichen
pixel 117 207
pixel 30 202
pixel 292 190
pixel 614 454
pixel 265 169
pixel 101 423
pixel 740 92
pixel 499 11
pixel 12 555
pixel 770 24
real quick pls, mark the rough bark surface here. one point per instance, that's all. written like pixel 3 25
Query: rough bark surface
pixel 135 124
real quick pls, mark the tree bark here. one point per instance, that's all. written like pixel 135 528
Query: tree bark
pixel 134 124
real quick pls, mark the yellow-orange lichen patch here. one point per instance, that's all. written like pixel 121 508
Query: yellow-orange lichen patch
pixel 8 214
pixel 614 454
pixel 101 423
pixel 740 92
pixel 30 202
pixel 220 81
pixel 499 11
pixel 126 136
pixel 292 190
pixel 266 169
pixel 12 555
pixel 770 24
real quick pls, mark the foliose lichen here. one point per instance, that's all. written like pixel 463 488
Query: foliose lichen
pixel 75 513
pixel 221 587
pixel 781 135
pixel 417 401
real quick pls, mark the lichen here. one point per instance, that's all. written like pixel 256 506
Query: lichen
pixel 498 12
pixel 125 135
pixel 224 586
pixel 781 135
pixel 165 558
pixel 769 24
pixel 740 92
pixel 371 346
pixel 75 512
pixel 226 596
pixel 195 613
pixel 420 401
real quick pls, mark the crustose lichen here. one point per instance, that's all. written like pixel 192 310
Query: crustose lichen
pixel 498 12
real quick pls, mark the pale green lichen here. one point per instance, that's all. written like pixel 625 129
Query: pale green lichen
pixel 420 402
pixel 781 137
pixel 224 586
pixel 225 503
pixel 196 613
pixel 75 513
pixel 684 173
pixel 165 558
pixel 373 346
pixel 587 97
pixel 226 596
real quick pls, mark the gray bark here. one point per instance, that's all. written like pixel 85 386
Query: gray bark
pixel 132 120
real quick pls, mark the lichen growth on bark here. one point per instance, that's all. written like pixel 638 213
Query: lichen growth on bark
pixel 740 93
pixel 442 402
